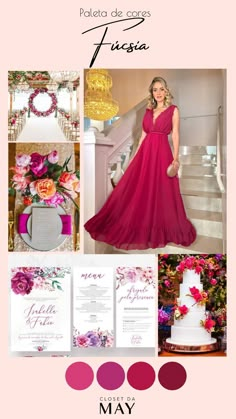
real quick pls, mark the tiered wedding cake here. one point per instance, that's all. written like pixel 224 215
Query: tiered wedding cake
pixel 191 312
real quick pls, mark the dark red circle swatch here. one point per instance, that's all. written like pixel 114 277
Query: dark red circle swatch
pixel 79 376
pixel 141 375
pixel 110 375
pixel 172 375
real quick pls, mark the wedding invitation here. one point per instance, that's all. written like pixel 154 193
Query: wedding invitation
pixel 93 309
pixel 135 307
pixel 40 309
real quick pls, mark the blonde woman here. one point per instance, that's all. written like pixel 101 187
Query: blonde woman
pixel 146 210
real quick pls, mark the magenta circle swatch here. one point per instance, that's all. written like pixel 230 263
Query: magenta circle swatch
pixel 172 375
pixel 79 376
pixel 141 375
pixel 110 375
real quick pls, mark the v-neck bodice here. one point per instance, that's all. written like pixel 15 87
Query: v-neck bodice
pixel 162 123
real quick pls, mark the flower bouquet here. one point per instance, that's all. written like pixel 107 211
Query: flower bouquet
pixel 40 179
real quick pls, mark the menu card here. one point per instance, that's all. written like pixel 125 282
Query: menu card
pixel 46 226
pixel 93 307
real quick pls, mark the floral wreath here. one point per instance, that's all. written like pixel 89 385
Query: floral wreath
pixel 52 108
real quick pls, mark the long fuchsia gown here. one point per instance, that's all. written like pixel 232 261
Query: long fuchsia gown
pixel 145 210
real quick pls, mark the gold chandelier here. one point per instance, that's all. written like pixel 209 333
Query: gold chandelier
pixel 99 104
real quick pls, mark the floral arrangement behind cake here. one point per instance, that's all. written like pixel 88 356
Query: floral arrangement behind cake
pixel 212 268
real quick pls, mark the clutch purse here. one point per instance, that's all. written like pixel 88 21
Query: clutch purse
pixel 171 170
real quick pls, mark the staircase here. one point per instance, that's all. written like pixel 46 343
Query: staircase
pixel 202 200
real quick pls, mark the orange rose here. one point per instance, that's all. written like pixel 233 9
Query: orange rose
pixel 45 188
pixel 65 177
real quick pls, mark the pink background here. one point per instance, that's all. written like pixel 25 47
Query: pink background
pixel 47 35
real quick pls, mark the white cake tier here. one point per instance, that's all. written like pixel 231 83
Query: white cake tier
pixel 192 318
pixel 185 297
pixel 190 335
pixel 190 277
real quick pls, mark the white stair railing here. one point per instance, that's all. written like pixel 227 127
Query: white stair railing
pixel 219 150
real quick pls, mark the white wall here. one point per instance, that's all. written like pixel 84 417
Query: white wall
pixel 196 92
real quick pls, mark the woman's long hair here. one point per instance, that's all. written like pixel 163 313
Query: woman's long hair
pixel 152 103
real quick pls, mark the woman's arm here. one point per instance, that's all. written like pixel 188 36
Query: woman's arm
pixel 175 136
pixel 143 135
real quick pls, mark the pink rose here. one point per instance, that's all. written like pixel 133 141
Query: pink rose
pixel 198 269
pixel 22 283
pixel 189 263
pixel 70 182
pixel 20 182
pixel 23 160
pixel 183 309
pixel 37 164
pixel 209 324
pixel 167 283
pixel 213 281
pixel 53 157
pixel 82 341
pixel 56 200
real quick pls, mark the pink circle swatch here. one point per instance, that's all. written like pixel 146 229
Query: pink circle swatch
pixel 172 375
pixel 79 376
pixel 110 375
pixel 141 375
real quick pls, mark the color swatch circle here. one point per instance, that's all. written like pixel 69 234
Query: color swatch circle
pixel 141 375
pixel 79 376
pixel 172 375
pixel 110 375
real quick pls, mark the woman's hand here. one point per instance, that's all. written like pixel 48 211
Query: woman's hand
pixel 176 164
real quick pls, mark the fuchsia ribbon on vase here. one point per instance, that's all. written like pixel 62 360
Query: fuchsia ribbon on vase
pixel 23 219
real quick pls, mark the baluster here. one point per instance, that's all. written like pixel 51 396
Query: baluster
pixel 127 157
pixel 118 172
pixel 110 185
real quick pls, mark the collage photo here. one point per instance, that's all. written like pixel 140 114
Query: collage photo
pixel 117 191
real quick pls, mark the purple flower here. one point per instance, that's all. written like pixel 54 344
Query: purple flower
pixel 37 164
pixel 163 317
pixel 22 283
pixel 93 339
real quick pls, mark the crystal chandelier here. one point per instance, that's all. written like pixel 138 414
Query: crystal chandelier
pixel 99 104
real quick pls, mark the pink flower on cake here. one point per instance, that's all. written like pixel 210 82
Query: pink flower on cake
pixel 208 324
pixel 183 309
pixel 199 296
pixel 180 311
